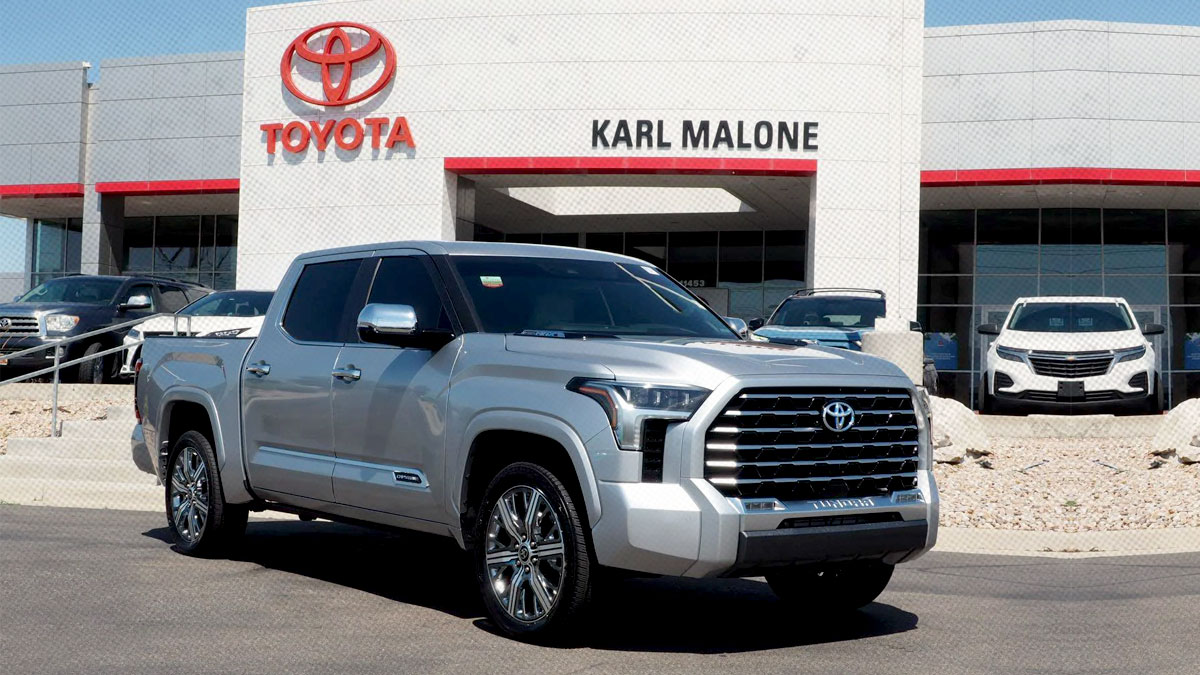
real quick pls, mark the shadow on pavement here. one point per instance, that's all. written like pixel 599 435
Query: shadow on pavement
pixel 638 614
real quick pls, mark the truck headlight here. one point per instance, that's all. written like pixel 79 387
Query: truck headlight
pixel 629 404
pixel 1011 354
pixel 1132 354
pixel 60 323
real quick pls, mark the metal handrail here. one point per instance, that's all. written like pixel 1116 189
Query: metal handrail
pixel 57 367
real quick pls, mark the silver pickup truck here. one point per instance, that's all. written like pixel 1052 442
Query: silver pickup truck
pixel 553 410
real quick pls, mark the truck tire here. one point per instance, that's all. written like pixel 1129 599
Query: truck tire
pixel 90 372
pixel 201 522
pixel 533 559
pixel 841 587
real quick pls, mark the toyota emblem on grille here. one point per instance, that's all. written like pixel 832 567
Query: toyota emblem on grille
pixel 5 323
pixel 837 416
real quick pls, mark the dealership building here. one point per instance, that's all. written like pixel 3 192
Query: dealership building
pixel 788 143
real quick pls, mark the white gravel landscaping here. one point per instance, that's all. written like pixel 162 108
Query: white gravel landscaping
pixel 24 418
pixel 1072 491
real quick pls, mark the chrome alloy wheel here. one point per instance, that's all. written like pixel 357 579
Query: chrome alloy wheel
pixel 524 553
pixel 189 493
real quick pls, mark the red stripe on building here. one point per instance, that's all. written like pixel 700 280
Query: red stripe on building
pixel 1059 176
pixel 732 166
pixel 169 187
pixel 42 190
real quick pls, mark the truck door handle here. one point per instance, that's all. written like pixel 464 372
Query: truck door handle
pixel 347 374
pixel 260 369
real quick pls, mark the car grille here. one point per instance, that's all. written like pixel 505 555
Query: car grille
pixel 13 326
pixel 772 443
pixel 1070 365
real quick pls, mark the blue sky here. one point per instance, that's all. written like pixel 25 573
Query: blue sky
pixel 92 30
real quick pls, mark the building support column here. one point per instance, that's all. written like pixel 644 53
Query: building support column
pixel 103 229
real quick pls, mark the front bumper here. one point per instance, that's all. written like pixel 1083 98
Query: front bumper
pixel 40 359
pixel 684 526
pixel 1126 384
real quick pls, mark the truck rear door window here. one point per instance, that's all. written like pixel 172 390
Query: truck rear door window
pixel 314 311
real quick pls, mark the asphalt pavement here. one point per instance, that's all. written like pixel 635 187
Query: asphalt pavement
pixel 102 591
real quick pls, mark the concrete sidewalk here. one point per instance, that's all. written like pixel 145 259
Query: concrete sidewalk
pixel 1068 544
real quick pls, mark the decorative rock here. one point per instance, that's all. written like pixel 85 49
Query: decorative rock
pixel 956 432
pixel 1180 433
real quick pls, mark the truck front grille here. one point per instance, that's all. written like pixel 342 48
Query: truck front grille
pixel 773 443
pixel 17 326
pixel 1070 365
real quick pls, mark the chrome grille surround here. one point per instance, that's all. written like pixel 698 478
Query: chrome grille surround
pixel 769 442
pixel 19 326
pixel 1070 365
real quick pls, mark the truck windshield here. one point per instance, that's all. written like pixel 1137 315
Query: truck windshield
pixel 828 312
pixel 87 291
pixel 1070 317
pixel 230 303
pixel 596 298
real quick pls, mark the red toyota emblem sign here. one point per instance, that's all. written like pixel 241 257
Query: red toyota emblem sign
pixel 335 52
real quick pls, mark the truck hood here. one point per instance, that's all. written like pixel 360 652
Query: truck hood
pixel 837 337
pixel 705 363
pixel 1070 342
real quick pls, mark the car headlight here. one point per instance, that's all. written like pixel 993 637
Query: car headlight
pixel 1131 354
pixel 134 334
pixel 226 333
pixel 60 323
pixel 629 404
pixel 1011 354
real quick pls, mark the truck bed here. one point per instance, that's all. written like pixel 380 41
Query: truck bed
pixel 208 373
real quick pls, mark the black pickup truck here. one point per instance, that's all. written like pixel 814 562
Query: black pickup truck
pixel 73 305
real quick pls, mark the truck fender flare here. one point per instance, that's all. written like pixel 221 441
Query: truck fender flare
pixel 235 491
pixel 541 425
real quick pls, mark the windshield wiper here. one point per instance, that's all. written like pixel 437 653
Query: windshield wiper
pixel 567 334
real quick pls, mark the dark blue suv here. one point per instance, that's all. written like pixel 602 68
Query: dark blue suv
pixel 73 305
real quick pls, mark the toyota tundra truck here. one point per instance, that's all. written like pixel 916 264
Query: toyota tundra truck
pixel 557 412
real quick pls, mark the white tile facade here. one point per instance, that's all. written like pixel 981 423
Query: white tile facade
pixel 1102 95
pixel 527 77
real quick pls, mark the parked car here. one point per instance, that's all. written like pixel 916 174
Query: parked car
pixel 554 411
pixel 1066 354
pixel 222 314
pixel 73 305
pixel 831 317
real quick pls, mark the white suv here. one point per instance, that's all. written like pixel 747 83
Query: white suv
pixel 1070 354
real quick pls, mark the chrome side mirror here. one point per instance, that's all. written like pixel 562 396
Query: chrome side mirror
pixel 378 319
pixel 136 302
pixel 738 326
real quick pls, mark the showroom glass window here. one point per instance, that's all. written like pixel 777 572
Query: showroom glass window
pixel 57 243
pixel 974 263
pixel 198 249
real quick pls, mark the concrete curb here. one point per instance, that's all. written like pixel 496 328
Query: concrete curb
pixel 1069 544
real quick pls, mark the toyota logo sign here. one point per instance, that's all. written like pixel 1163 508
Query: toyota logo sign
pixel 337 53
pixel 837 416
pixel 329 46
pixel 5 323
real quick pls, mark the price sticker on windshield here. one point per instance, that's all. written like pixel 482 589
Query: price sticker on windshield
pixel 491 282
